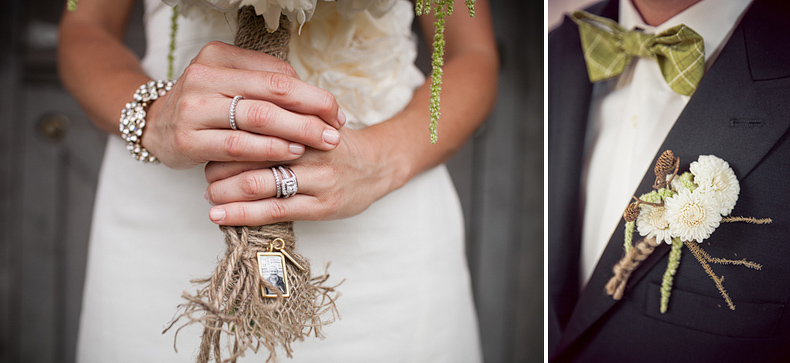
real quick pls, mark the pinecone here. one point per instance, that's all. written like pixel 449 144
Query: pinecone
pixel 665 165
pixel 631 212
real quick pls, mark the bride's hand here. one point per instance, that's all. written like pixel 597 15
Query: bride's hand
pixel 331 184
pixel 278 116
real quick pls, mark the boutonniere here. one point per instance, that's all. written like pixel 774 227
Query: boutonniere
pixel 682 210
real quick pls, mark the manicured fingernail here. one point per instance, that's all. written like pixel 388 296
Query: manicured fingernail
pixel 341 117
pixel 205 196
pixel 331 136
pixel 216 214
pixel 296 149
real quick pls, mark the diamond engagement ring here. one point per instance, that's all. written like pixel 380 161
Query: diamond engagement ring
pixel 233 111
pixel 285 181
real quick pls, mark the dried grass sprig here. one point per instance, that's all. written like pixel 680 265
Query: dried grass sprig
pixel 698 254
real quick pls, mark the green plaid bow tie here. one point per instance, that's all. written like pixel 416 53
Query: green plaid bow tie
pixel 608 48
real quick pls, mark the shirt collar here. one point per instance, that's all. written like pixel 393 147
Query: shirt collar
pixel 713 20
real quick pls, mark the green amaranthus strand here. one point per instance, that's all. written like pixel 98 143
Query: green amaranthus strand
pixel 419 6
pixel 470 6
pixel 442 10
pixel 173 30
pixel 669 273
pixel 437 61
pixel 629 236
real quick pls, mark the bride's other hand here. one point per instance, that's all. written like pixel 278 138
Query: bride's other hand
pixel 278 115
pixel 376 160
pixel 336 184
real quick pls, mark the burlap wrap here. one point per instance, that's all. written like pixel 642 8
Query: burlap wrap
pixel 254 35
pixel 230 302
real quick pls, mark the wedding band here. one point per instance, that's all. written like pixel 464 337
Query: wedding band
pixel 233 112
pixel 276 180
pixel 285 181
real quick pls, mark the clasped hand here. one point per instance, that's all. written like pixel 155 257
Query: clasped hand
pixel 278 116
pixel 280 120
pixel 332 184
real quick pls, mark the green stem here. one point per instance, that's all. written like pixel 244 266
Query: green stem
pixel 172 50
pixel 420 5
pixel 442 10
pixel 669 274
pixel 470 5
pixel 629 236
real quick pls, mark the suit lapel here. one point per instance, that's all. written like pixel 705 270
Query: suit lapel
pixel 567 128
pixel 723 118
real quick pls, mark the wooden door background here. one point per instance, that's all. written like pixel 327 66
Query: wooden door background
pixel 50 155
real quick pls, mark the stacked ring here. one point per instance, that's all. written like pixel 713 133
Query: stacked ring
pixel 285 181
pixel 233 112
pixel 276 181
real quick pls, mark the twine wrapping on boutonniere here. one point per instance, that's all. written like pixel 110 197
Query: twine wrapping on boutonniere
pixel 682 210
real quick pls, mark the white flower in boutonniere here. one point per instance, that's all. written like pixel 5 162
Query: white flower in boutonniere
pixel 652 223
pixel 714 177
pixel 683 210
pixel 691 216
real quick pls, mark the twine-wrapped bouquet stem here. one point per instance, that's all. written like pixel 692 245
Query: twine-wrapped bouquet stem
pixel 231 303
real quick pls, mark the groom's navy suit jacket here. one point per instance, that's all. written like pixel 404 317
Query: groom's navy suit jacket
pixel 740 113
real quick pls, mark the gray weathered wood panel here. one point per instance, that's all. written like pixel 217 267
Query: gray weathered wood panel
pixel 499 177
pixel 10 200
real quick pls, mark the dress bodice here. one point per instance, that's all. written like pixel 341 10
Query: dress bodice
pixel 364 58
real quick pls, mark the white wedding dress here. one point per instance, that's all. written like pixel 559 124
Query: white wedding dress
pixel 406 295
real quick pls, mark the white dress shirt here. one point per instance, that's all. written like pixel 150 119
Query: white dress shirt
pixel 631 115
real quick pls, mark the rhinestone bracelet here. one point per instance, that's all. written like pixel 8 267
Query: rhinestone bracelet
pixel 133 117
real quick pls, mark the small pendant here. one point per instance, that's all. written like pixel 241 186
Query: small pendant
pixel 272 267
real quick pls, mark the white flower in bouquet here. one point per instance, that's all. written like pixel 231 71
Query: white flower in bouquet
pixel 367 63
pixel 297 11
pixel 350 8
